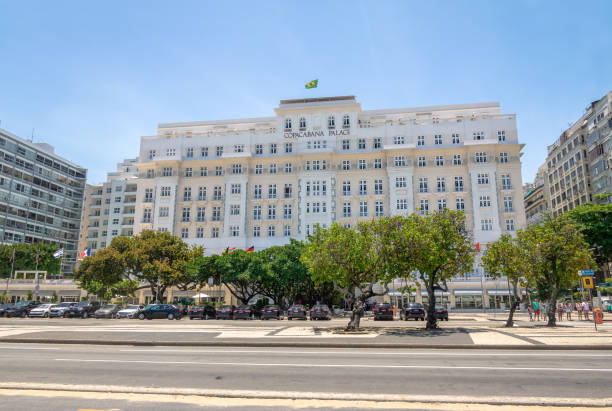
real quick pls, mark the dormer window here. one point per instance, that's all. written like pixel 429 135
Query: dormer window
pixel 302 124
pixel 331 122
pixel 346 121
pixel 288 126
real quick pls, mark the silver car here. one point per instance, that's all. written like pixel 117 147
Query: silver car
pixel 129 311
pixel 59 309
pixel 42 310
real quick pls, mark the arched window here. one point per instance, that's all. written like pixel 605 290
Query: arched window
pixel 331 122
pixel 346 121
pixel 302 123
pixel 288 124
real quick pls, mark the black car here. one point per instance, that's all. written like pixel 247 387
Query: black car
pixel 83 309
pixel 296 311
pixel 320 312
pixel 272 311
pixel 226 312
pixel 383 312
pixel 247 312
pixel 21 309
pixel 3 309
pixel 414 310
pixel 441 312
pixel 159 311
pixel 203 312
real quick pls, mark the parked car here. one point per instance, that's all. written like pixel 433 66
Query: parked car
pixel 383 311
pixel 296 311
pixel 247 312
pixel 129 311
pixel 41 311
pixel 441 312
pixel 272 311
pixel 3 308
pixel 58 310
pixel 168 311
pixel 83 309
pixel 108 311
pixel 414 310
pixel 203 312
pixel 225 313
pixel 21 309
pixel 320 312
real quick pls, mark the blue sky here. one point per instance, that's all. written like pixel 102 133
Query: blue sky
pixel 91 77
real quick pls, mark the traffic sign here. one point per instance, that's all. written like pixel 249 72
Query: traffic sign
pixel 587 282
pixel 583 273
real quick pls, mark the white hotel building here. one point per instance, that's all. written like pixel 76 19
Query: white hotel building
pixel 260 181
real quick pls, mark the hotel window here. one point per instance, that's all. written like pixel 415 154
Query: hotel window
pixel 187 194
pixel 287 231
pixel 257 212
pixel 203 171
pixel 238 148
pixel 201 215
pixel 346 121
pixel 202 194
pixel 116 232
pixel 235 209
pixel 186 214
pixel 150 173
pixel 460 203
pixel 377 143
pixel 219 151
pixel 486 224
pixel 483 178
pixel 199 232
pixel 346 188
pixel 346 144
pixel 302 124
pixel 378 187
pixel 377 163
pixel 420 140
pixel 152 154
pixel 478 135
pixel 288 168
pixel 361 144
pixel 163 211
pixel 167 172
pixel 288 147
pixel 441 204
pixel 316 188
pixel 189 153
pixel 457 160
pixel 422 162
pixel 331 122
pixel 148 197
pixel 218 170
pixel 346 165
pixel 346 210
pixel 402 204
pixel 259 149
pixel 398 140
pixel 501 136
pixel 189 172
pixel 399 161
pixel 257 192
pixel 272 169
pixel 235 188
pixel 287 212
pixel 170 152
pixel 217 193
pixel 439 160
pixel 378 209
pixel 424 209
pixel 362 164
pixel 214 232
pixel 438 139
pixel 258 169
pixel 146 215
pixel 508 205
pixel 272 191
pixel 400 182
pixel 115 221
pixel 234 231
pixel 481 157
pixel 506 182
pixel 236 168
pixel 363 209
pixel 273 148
pixel 456 138
pixel 363 188
pixel 203 151
pixel 256 231
pixel 288 190
pixel 503 157
pixel 271 231
pixel 441 184
pixel 509 225
pixel 485 201
pixel 288 124
pixel 459 184
pixel 165 191
pixel 423 185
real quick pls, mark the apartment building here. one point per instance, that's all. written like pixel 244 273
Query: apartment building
pixel 41 196
pixel 599 146
pixel 537 198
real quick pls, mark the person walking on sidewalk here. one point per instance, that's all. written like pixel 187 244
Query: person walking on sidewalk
pixel 579 309
pixel 585 310
pixel 560 311
pixel 544 307
pixel 530 312
pixel 568 311
pixel 536 309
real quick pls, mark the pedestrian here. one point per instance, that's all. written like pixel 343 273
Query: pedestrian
pixel 585 310
pixel 530 311
pixel 568 311
pixel 560 311
pixel 579 309
pixel 536 310
pixel 544 308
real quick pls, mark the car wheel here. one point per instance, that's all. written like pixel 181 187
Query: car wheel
pixel 24 314
pixel 205 317
pixel 170 316
pixel 85 315
pixel 45 315
pixel 141 316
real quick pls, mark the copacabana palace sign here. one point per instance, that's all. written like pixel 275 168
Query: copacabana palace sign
pixel 318 133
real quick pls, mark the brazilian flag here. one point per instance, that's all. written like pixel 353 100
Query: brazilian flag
pixel 312 84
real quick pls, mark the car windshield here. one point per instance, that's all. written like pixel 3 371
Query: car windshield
pixel 415 305
pixel 64 305
pixel 440 307
pixel 44 306
pixel 321 307
pixel 108 307
pixel 226 307
pixel 298 306
pixel 22 303
pixel 132 307
pixel 83 303
pixel 271 307
pixel 244 307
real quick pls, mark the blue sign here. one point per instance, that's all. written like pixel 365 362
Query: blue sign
pixel 586 273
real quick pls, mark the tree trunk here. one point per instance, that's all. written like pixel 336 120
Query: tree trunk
pixel 552 318
pixel 356 315
pixel 432 321
pixel 514 301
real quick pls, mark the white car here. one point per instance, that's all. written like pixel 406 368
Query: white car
pixel 41 311
pixel 129 311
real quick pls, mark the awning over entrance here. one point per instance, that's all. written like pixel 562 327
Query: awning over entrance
pixel 499 292
pixel 467 292
pixel 436 293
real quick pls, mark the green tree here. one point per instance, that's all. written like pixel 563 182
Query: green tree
pixel 25 258
pixel 595 223
pixel 556 250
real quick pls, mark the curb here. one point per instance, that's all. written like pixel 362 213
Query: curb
pixel 304 344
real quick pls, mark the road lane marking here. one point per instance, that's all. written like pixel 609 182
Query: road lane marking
pixel 295 365
pixel 30 348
